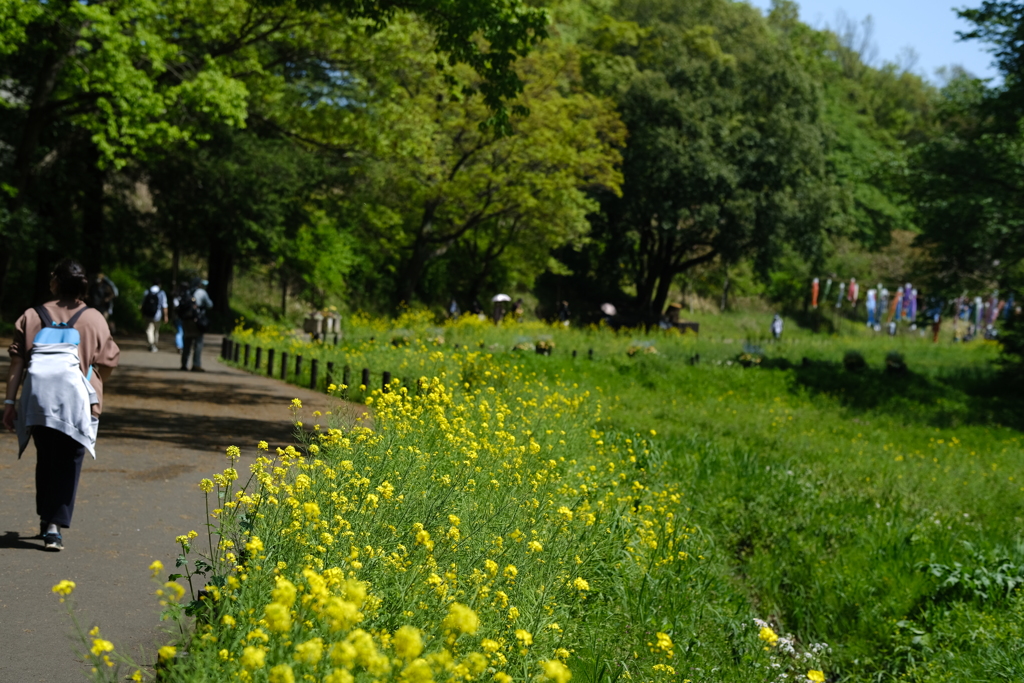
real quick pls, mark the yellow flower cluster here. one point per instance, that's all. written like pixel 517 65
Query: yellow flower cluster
pixel 463 537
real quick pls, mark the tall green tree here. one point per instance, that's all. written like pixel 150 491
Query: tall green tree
pixel 969 181
pixel 110 82
pixel 726 150
pixel 446 183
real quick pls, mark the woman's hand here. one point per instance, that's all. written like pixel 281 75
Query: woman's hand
pixel 10 415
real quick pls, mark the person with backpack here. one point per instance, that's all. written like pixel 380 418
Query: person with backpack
pixel 193 312
pixel 102 293
pixel 63 352
pixel 154 311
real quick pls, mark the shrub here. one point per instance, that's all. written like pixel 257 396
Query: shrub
pixel 894 363
pixel 854 361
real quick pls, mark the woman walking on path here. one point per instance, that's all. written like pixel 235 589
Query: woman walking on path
pixel 64 352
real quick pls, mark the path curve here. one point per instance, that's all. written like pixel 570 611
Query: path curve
pixel 162 430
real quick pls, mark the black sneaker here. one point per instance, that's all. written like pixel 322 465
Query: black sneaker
pixel 53 541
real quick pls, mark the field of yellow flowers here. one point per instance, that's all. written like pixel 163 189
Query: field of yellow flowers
pixel 644 509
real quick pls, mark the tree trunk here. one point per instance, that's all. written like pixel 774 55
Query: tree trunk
pixel 92 211
pixel 221 266
pixel 41 285
pixel 416 264
pixel 284 292
pixel 644 292
pixel 35 122
pixel 661 294
pixel 175 265
pixel 725 293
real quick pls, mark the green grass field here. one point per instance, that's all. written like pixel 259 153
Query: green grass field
pixel 876 511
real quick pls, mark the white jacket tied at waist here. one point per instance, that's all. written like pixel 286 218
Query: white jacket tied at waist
pixel 49 400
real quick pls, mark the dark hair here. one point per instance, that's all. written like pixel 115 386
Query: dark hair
pixel 71 280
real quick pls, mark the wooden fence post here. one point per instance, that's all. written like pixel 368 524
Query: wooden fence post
pixel 312 374
pixel 270 362
pixel 284 365
pixel 238 349
pixel 385 382
pixel 329 379
pixel 259 358
pixel 346 378
pixel 366 377
pixel 248 349
pixel 298 365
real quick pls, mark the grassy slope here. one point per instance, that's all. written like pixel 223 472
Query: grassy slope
pixel 822 491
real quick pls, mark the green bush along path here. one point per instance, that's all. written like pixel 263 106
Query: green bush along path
pixel 161 430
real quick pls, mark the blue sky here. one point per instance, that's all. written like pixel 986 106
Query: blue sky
pixel 927 26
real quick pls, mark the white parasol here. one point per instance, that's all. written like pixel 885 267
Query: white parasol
pixel 500 297
pixel 609 309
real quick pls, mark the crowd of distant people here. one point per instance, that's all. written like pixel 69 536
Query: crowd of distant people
pixel 972 316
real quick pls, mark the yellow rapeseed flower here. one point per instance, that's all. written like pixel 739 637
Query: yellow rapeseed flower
pixel 100 646
pixel 461 619
pixel 63 588
pixel 816 676
pixel 284 593
pixel 282 673
pixel 524 636
pixel 278 617
pixel 555 671
pixel 253 658
pixel 166 653
pixel 310 651
pixel 581 584
pixel 418 671
pixel 205 485
pixel 407 643
pixel 339 676
pixel 664 643
pixel 769 636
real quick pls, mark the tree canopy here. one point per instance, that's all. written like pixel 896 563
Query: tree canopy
pixel 401 151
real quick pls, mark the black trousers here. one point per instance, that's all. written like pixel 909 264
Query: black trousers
pixel 58 467
pixel 193 345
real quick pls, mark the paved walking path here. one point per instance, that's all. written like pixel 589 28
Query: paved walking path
pixel 162 430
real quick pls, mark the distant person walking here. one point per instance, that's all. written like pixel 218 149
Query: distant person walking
pixel 564 315
pixel 102 293
pixel 777 327
pixel 180 293
pixel 65 352
pixel 193 311
pixel 154 311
